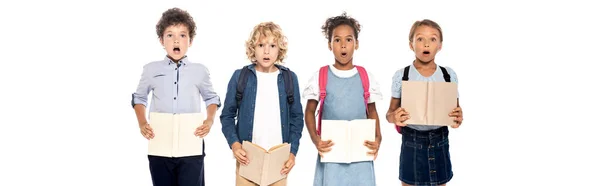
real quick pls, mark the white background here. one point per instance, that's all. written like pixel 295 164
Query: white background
pixel 525 71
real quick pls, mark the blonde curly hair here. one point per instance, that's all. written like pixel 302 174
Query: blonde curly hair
pixel 263 30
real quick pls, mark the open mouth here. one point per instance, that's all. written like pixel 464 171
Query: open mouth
pixel 266 59
pixel 344 54
pixel 176 50
pixel 425 52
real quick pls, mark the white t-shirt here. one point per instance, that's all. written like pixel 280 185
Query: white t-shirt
pixel 266 131
pixel 312 89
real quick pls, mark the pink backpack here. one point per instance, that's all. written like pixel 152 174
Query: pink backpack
pixel 364 78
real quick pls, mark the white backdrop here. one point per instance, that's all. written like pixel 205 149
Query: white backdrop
pixel 525 71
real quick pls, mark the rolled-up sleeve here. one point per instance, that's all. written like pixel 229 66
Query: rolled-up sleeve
pixel 207 91
pixel 140 96
pixel 229 112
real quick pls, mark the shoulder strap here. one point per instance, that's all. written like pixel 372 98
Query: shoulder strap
pixel 289 85
pixel 404 78
pixel 241 85
pixel 446 75
pixel 405 74
pixel 323 72
pixel 364 78
pixel 322 94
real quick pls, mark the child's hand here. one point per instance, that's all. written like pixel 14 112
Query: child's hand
pixel 203 129
pixel 287 167
pixel 239 153
pixel 323 146
pixel 400 116
pixel 146 131
pixel 373 145
pixel 457 113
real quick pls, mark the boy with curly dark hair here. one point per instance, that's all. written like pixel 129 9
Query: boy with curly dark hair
pixel 178 86
pixel 349 93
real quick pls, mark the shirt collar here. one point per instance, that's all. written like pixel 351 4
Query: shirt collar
pixel 183 60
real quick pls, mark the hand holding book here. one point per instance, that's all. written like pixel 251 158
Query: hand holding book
pixel 323 146
pixel 204 129
pixel 146 131
pixel 239 153
pixel 458 117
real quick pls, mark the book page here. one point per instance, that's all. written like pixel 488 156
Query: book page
pixel 277 157
pixel 443 100
pixel 256 155
pixel 414 101
pixel 337 132
pixel 162 126
pixel 188 144
pixel 361 130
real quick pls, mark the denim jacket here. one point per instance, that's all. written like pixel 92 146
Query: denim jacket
pixel 237 126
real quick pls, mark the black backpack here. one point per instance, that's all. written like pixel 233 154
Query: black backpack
pixel 287 81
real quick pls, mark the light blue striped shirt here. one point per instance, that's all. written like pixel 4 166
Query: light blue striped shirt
pixel 176 88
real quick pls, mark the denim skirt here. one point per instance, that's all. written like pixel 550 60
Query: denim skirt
pixel 425 157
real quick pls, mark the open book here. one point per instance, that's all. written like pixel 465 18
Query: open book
pixel 174 134
pixel 429 103
pixel 349 139
pixel 265 166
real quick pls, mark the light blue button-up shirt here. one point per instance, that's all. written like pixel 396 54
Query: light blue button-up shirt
pixel 176 87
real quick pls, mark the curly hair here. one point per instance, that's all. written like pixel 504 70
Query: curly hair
pixel 175 16
pixel 424 22
pixel 263 30
pixel 334 22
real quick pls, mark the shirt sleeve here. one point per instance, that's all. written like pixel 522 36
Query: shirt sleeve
pixel 397 84
pixel 140 96
pixel 374 89
pixel 311 91
pixel 207 90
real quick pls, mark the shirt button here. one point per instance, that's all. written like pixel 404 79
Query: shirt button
pixel 175 68
pixel 174 98
pixel 175 82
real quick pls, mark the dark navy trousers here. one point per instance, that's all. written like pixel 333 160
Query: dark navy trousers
pixel 182 171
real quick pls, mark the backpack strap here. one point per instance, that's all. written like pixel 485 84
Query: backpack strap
pixel 289 85
pixel 364 78
pixel 241 85
pixel 287 80
pixel 446 75
pixel 322 94
pixel 404 78
pixel 323 72
pixel 405 74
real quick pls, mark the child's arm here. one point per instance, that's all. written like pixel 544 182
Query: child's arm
pixel 139 100
pixel 457 112
pixel 311 126
pixel 229 112
pixel 311 93
pixel 296 118
pixel 212 101
pixel 211 98
pixel 373 115
pixel 310 120
pixel 395 113
pixel 296 126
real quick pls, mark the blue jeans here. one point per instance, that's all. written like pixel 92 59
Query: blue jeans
pixel 425 157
